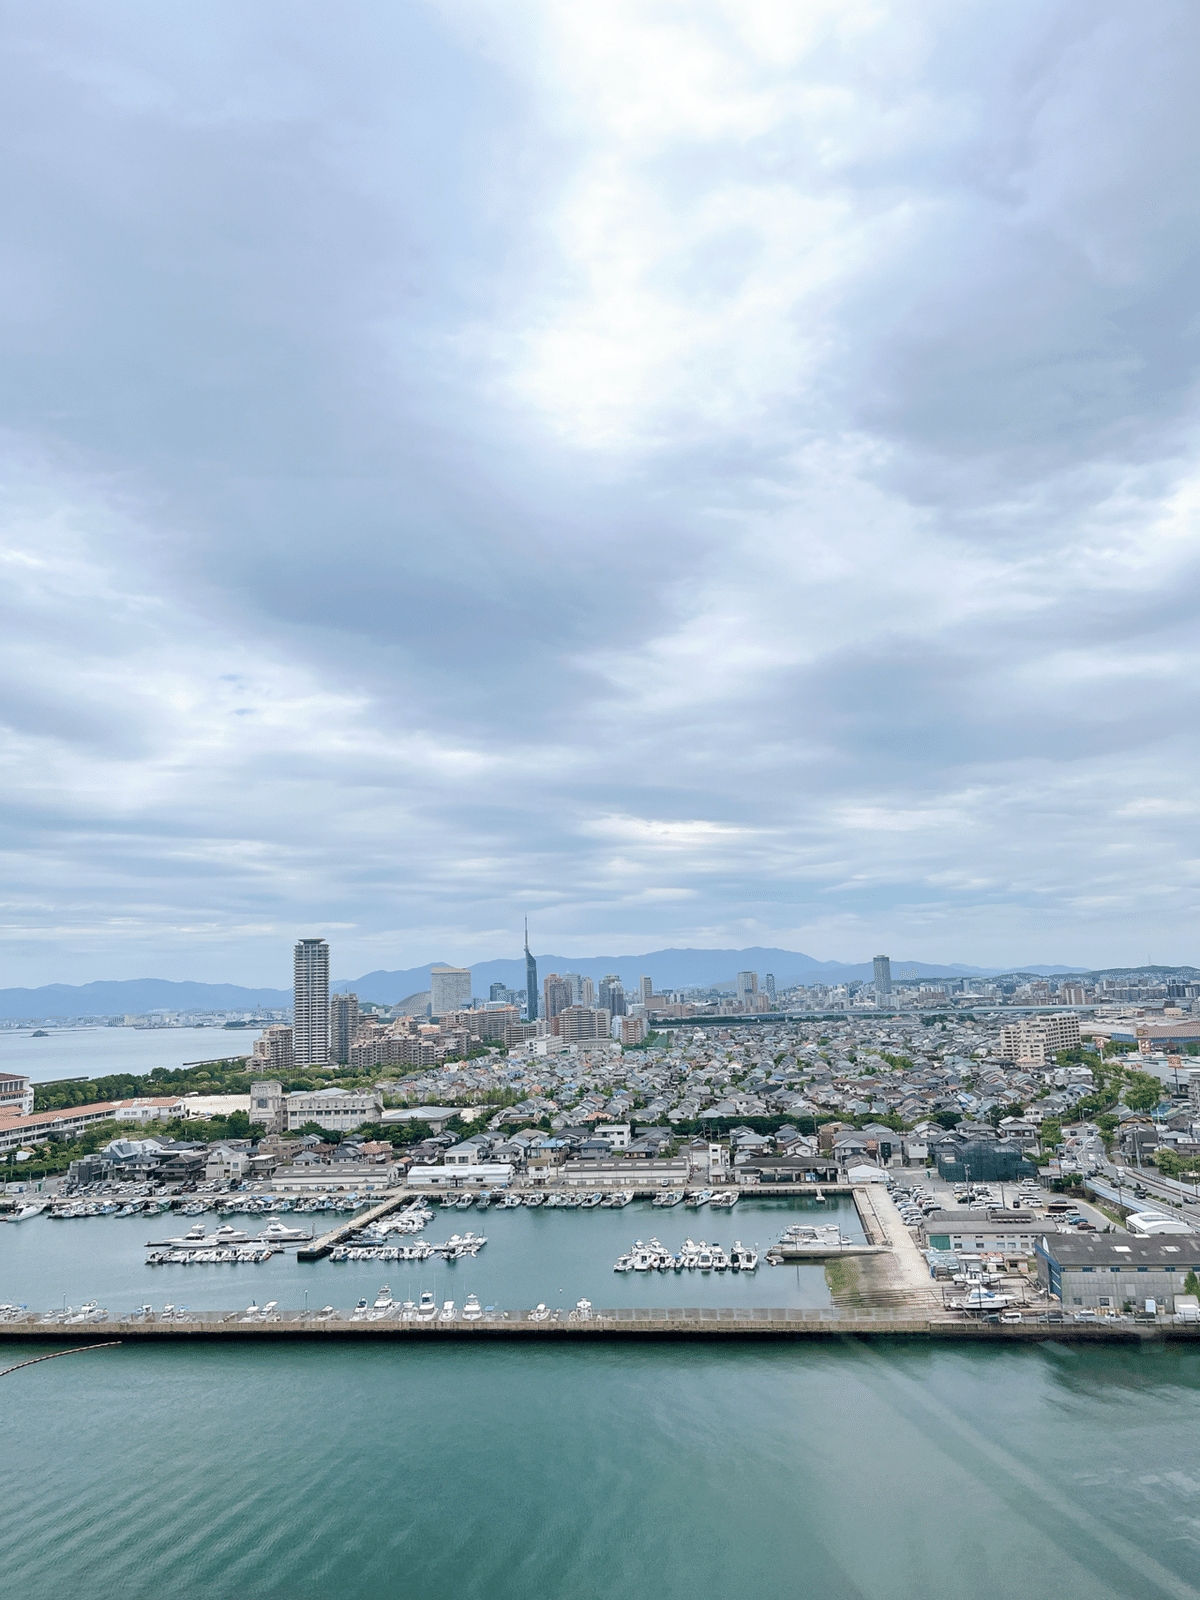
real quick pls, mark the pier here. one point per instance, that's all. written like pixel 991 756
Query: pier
pixel 688 1323
pixel 322 1246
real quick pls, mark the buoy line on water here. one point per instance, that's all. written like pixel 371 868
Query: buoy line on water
pixel 79 1350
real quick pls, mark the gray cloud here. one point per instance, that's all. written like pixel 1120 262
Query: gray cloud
pixel 726 479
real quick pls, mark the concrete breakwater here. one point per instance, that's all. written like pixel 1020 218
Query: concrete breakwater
pixel 624 1323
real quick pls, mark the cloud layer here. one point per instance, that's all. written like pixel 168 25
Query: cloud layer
pixel 689 473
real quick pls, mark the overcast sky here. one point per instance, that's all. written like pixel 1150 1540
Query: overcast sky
pixel 692 474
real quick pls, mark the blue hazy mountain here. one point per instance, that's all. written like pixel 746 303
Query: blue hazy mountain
pixel 670 969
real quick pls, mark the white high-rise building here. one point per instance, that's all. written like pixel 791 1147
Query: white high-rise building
pixel 449 989
pixel 747 986
pixel 647 989
pixel 310 1003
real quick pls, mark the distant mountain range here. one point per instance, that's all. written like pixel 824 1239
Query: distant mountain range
pixel 670 969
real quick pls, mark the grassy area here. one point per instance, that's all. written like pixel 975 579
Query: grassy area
pixel 845 1282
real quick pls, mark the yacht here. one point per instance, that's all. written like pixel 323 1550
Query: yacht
pixel 383 1300
pixel 643 1259
pixel 408 1311
pixel 448 1312
pixel 690 1253
pixel 280 1233
pixel 583 1309
pixel 427 1307
pixel 623 1197
pixel 720 1260
pixel 623 1263
pixel 743 1258
pixel 540 1313
pixel 704 1257
pixel 472 1310
pixel 23 1213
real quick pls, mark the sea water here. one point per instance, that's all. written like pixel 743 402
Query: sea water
pixel 626 1471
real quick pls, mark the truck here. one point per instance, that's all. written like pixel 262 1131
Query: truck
pixel 1187 1307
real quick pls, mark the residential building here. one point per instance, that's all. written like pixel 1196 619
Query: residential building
pixel 449 989
pixel 581 1022
pixel 272 1051
pixel 883 976
pixel 343 1026
pixel 1035 1040
pixel 747 986
pixel 612 995
pixel 556 996
pixel 310 1003
pixel 646 989
pixel 770 982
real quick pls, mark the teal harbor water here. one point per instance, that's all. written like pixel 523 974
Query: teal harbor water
pixel 556 1257
pixel 93 1052
pixel 614 1472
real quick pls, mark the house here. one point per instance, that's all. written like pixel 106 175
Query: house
pixel 226 1163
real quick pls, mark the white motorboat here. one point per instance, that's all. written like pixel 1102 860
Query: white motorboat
pixel 704 1257
pixel 540 1313
pixel 623 1263
pixel 743 1258
pixel 448 1312
pixel 383 1300
pixel 23 1213
pixel 472 1310
pixel 280 1233
pixel 427 1307
pixel 720 1260
pixel 697 1198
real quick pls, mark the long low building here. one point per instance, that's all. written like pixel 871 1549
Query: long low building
pixel 628 1174
pixel 71 1122
pixel 1110 1272
pixel 491 1174
pixel 973 1234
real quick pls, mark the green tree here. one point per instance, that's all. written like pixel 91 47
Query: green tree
pixel 1191 1284
pixel 1142 1091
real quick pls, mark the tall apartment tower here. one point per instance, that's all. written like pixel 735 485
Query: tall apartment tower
pixel 647 989
pixel 531 983
pixel 556 995
pixel 747 986
pixel 450 989
pixel 343 1025
pixel 771 986
pixel 612 995
pixel 883 975
pixel 310 1003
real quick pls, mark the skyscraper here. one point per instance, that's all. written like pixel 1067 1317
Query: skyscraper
pixel 612 995
pixel 771 986
pixel 449 989
pixel 343 1025
pixel 747 986
pixel 531 983
pixel 883 976
pixel 647 989
pixel 310 1003
pixel 556 995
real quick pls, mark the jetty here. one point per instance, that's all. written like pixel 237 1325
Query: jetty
pixel 322 1246
pixel 639 1322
